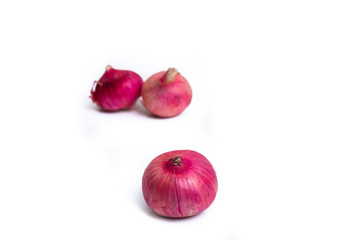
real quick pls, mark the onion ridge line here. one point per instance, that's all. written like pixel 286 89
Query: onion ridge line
pixel 177 195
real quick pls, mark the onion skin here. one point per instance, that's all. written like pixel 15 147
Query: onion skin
pixel 179 184
pixel 166 94
pixel 116 89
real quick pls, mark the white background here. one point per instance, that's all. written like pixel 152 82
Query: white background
pixel 275 109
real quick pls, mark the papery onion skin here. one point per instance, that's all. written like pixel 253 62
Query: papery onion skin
pixel 166 94
pixel 179 184
pixel 116 89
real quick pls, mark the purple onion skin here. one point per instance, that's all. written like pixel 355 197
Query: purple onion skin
pixel 179 184
pixel 116 89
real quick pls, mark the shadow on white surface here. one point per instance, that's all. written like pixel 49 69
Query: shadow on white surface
pixel 137 108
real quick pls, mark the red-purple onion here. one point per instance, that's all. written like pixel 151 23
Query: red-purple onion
pixel 116 89
pixel 166 94
pixel 179 184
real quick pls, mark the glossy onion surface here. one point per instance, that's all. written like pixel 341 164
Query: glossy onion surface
pixel 116 89
pixel 166 94
pixel 179 184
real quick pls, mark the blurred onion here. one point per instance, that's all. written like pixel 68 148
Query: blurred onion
pixel 116 89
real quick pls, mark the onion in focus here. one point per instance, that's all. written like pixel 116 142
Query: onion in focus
pixel 179 184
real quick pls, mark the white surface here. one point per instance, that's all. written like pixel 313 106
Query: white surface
pixel 275 109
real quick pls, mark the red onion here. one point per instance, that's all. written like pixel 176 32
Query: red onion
pixel 116 89
pixel 167 93
pixel 179 184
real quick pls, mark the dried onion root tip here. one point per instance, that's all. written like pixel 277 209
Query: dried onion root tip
pixel 170 75
pixel 176 161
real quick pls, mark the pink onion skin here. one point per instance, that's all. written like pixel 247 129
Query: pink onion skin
pixel 178 190
pixel 116 89
pixel 166 94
